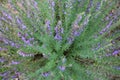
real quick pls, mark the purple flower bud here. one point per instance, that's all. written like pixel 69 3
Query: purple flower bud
pixel 58 28
pixel 12 44
pixel 45 74
pixel 31 39
pixel 3 49
pixel 98 6
pixel 23 38
pixel 52 3
pixel 27 42
pixel 9 17
pixel 109 24
pixel 6 41
pixel 23 27
pixel 76 33
pixel 35 4
pixel 48 28
pixel 58 37
pixel 117 67
pixel 15 62
pixel 79 17
pixel 19 21
pixel 70 40
pixel 116 52
pixel 5 73
pixel 62 68
pixel 107 27
pixel 19 34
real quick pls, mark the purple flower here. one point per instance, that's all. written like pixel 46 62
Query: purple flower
pixel 27 42
pixel 109 24
pixel 107 27
pixel 23 38
pixel 9 17
pixel 79 17
pixel 98 6
pixel 116 52
pixel 19 34
pixel 45 74
pixel 58 37
pixel 58 28
pixel 35 4
pixel 48 28
pixel 31 39
pixel 12 44
pixel 15 62
pixel 6 41
pixel 70 40
pixel 76 33
pixel 89 5
pixel 117 67
pixel 5 73
pixel 52 3
pixel 62 68
pixel 3 49
pixel 23 27
pixel 19 21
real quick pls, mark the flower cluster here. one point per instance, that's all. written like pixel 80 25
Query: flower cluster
pixel 24 38
pixel 58 31
pixel 76 29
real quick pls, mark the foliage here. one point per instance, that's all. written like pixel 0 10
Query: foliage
pixel 60 39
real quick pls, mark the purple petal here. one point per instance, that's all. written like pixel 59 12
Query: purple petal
pixel 15 62
pixel 116 52
pixel 58 37
pixel 62 68
pixel 45 74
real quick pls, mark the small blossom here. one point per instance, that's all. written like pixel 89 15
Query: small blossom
pixel 5 73
pixel 70 40
pixel 117 67
pixel 52 3
pixel 9 17
pixel 116 52
pixel 76 33
pixel 58 28
pixel 19 21
pixel 35 4
pixel 23 27
pixel 58 37
pixel 98 6
pixel 15 62
pixel 62 68
pixel 48 28
pixel 19 34
pixel 3 49
pixel 45 74
pixel 107 27
pixel 79 18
